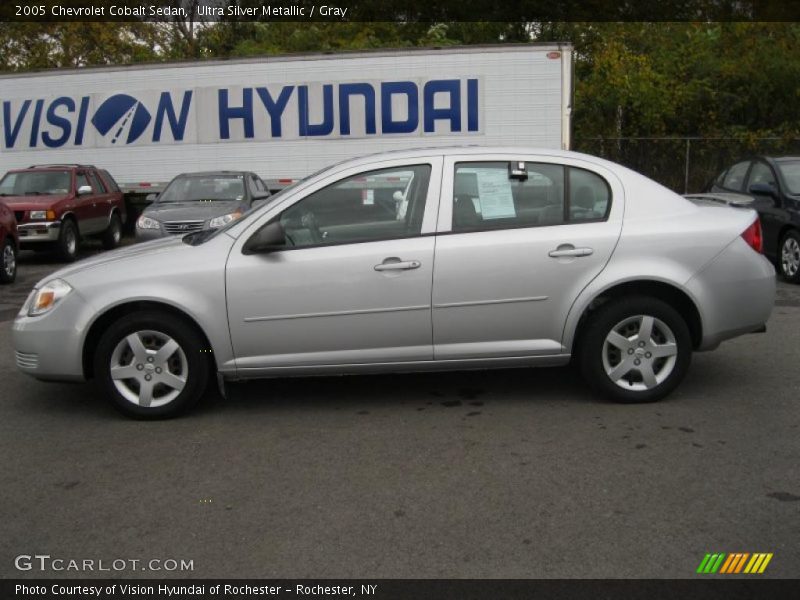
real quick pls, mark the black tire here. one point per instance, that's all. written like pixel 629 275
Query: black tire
pixel 68 240
pixel 788 256
pixel 113 233
pixel 188 361
pixel 8 261
pixel 599 361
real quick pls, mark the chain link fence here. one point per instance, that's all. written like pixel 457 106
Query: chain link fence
pixel 684 164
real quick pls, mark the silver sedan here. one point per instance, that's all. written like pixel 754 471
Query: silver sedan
pixel 456 258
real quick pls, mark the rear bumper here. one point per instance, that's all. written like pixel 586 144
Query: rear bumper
pixel 46 231
pixel 735 294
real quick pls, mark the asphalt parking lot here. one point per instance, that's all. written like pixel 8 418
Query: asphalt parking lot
pixel 508 474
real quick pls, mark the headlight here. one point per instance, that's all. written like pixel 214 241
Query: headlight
pixel 41 215
pixel 224 219
pixel 46 297
pixel 145 222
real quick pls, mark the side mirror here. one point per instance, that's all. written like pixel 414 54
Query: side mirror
pixel 269 238
pixel 84 190
pixel 763 189
pixel 151 197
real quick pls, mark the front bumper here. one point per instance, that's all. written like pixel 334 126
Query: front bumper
pixel 39 232
pixel 145 235
pixel 49 347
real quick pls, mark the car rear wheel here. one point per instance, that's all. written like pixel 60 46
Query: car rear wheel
pixel 789 260
pixel 635 350
pixel 113 233
pixel 8 262
pixel 151 365
pixel 67 245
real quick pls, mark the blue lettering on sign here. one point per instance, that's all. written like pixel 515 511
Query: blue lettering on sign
pixel 275 108
pixel 324 128
pixel 177 125
pixel 353 108
pixel 396 88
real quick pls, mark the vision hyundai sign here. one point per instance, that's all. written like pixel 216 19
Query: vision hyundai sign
pixel 208 115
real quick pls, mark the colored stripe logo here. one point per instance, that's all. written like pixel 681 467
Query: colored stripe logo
pixel 734 563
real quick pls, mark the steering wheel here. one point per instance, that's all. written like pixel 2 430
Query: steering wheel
pixel 309 221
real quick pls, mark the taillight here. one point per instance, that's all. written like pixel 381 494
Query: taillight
pixel 752 235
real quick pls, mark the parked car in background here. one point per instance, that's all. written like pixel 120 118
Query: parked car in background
pixel 9 245
pixel 774 185
pixel 195 201
pixel 540 256
pixel 57 205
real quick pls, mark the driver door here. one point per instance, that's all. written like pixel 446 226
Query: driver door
pixel 352 286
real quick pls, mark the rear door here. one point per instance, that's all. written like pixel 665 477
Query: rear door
pixel 513 251
pixel 102 201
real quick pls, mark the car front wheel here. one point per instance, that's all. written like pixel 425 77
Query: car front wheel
pixel 635 350
pixel 67 244
pixel 789 259
pixel 151 365
pixel 8 262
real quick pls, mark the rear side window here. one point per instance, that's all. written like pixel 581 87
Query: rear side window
pixel 109 181
pixel 734 178
pixel 589 196
pixel 97 183
pixel 761 173
pixel 486 196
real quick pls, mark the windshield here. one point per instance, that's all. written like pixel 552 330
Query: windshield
pixel 791 174
pixel 34 183
pixel 195 188
pixel 194 239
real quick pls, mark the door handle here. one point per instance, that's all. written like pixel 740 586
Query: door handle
pixel 568 250
pixel 395 264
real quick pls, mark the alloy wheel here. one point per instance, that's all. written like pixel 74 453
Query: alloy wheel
pixel 9 260
pixel 149 368
pixel 790 256
pixel 639 353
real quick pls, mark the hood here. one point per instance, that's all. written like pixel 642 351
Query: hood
pixel 192 211
pixel 32 202
pixel 119 255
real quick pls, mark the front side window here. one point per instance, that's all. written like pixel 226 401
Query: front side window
pixel 81 180
pixel 35 183
pixel 486 196
pixel 734 179
pixel 377 205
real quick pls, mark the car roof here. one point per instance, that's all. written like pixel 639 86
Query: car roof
pixel 474 150
pixel 213 173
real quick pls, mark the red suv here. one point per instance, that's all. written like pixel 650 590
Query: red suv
pixel 57 205
pixel 8 245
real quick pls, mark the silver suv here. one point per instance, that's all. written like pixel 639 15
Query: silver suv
pixel 421 260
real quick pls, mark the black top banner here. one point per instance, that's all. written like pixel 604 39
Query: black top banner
pixel 397 10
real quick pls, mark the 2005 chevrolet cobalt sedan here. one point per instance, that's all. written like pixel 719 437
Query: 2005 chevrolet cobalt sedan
pixel 421 260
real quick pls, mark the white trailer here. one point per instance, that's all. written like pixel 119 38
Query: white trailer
pixel 284 117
